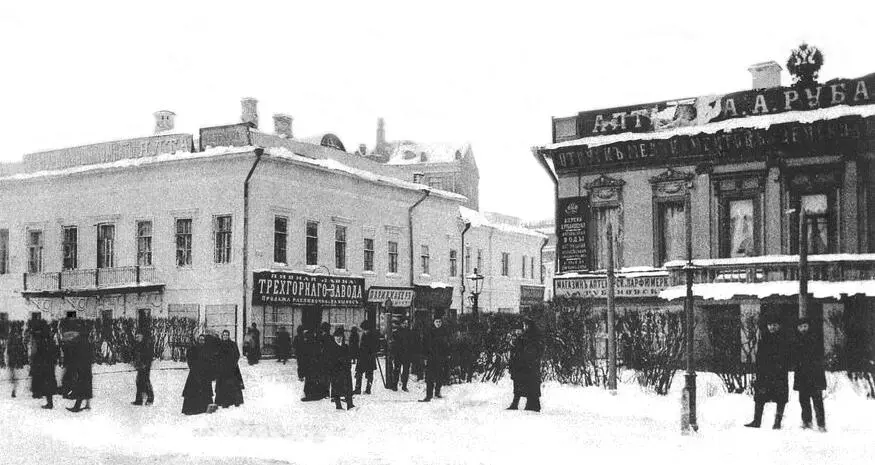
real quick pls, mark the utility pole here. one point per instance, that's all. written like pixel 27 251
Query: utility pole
pixel 689 423
pixel 612 351
pixel 803 264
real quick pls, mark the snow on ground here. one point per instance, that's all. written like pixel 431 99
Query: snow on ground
pixel 468 426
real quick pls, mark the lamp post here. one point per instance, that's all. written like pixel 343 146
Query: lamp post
pixel 476 287
pixel 690 422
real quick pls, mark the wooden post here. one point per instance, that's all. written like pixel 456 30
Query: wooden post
pixel 803 264
pixel 612 351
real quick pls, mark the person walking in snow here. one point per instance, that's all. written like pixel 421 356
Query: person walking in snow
pixel 353 343
pixel 253 355
pixel 367 358
pixel 298 344
pixel 809 378
pixel 437 349
pixel 229 380
pixel 324 341
pixel 399 347
pixel 16 354
pixel 42 365
pixel 339 365
pixel 142 362
pixel 772 365
pixel 81 378
pixel 198 390
pixel 525 367
pixel 283 345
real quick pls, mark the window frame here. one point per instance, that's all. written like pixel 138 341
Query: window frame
pixel 735 187
pixel 281 240
pixel 605 193
pixel 311 256
pixel 35 249
pixel 69 249
pixel 187 247
pixel 105 247
pixel 392 250
pixel 424 259
pixel 340 262
pixel 824 180
pixel 145 254
pixel 368 253
pixel 505 264
pixel 454 254
pixel 4 251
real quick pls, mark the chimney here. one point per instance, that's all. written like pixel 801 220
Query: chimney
pixel 766 75
pixel 250 111
pixel 282 125
pixel 381 132
pixel 163 121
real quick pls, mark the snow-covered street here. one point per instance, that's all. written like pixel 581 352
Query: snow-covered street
pixel 468 426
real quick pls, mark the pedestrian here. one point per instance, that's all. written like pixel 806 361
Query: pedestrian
pixel 254 353
pixel 339 365
pixel 42 365
pixel 80 366
pixel 399 348
pixel 229 380
pixel 198 390
pixel 772 365
pixel 808 377
pixel 283 345
pixel 320 363
pixel 367 358
pixel 437 348
pixel 353 343
pixel 16 354
pixel 298 345
pixel 309 367
pixel 142 362
pixel 415 350
pixel 525 367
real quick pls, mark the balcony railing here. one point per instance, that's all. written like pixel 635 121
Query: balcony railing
pixel 769 268
pixel 100 278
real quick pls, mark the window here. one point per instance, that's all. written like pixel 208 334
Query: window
pixel 816 208
pixel 524 267
pixel 532 267
pixel 480 261
pixel 671 232
pixel 816 191
pixel 34 251
pixel 280 238
pixel 340 247
pixel 601 218
pixel 69 248
pixel 369 254
pixel 144 243
pixel 741 218
pixel 738 215
pixel 183 242
pixel 505 264
pixel 468 259
pixel 222 234
pixel 424 258
pixel 4 251
pixel 105 245
pixel 312 243
pixel 453 270
pixel 393 257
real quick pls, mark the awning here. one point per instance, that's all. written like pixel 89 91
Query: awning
pixel 726 291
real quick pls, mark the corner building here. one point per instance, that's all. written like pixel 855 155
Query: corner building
pixel 733 171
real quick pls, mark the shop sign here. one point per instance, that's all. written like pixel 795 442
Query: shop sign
pixel 531 295
pixel 107 152
pixel 597 286
pixel 400 296
pixel 571 225
pixel 282 288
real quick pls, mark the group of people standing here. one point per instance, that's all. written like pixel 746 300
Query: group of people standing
pixel 76 382
pixel 776 356
pixel 210 360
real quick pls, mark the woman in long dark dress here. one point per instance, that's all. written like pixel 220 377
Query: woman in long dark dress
pixel 81 376
pixel 42 366
pixel 198 391
pixel 229 383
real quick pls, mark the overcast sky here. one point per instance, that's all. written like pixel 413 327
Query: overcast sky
pixel 491 73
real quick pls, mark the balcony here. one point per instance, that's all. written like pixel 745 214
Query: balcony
pixel 91 280
pixel 829 276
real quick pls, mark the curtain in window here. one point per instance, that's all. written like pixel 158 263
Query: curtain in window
pixel 673 227
pixel 741 223
pixel 604 216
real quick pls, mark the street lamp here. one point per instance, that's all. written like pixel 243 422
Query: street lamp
pixel 476 286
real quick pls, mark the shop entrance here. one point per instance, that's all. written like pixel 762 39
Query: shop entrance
pixel 311 317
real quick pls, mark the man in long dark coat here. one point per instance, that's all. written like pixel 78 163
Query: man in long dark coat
pixel 321 362
pixel 81 378
pixel 16 354
pixel 42 365
pixel 253 355
pixel 142 362
pixel 437 349
pixel 339 364
pixel 354 343
pixel 229 380
pixel 525 367
pixel 311 365
pixel 399 347
pixel 809 378
pixel 772 366
pixel 283 345
pixel 367 358
pixel 198 391
pixel 299 345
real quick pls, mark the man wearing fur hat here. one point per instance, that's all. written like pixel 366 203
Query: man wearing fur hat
pixel 437 349
pixel 772 365
pixel 339 366
pixel 808 376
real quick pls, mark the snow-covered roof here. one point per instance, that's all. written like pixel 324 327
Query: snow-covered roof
pixel 408 152
pixel 769 259
pixel 818 289
pixel 756 122
pixel 479 220
pixel 334 165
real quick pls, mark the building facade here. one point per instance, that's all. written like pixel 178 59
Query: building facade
pixel 727 177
